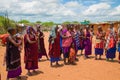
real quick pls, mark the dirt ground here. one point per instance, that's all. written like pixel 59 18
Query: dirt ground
pixel 86 69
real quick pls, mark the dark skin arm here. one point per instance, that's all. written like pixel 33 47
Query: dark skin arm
pixel 11 40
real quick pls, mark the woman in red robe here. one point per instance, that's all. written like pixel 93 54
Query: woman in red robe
pixel 54 46
pixel 31 50
pixel 41 45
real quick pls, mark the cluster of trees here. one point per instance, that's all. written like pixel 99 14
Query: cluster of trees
pixel 6 22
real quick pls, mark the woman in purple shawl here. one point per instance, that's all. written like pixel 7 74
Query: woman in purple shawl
pixel 66 43
pixel 87 42
pixel 41 45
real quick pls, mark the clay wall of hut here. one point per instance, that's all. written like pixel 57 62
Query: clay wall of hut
pixel 104 26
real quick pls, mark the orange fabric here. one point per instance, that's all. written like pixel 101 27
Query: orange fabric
pixel 3 38
pixel 72 54
pixel 111 43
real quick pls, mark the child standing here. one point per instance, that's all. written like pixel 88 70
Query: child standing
pixel 72 55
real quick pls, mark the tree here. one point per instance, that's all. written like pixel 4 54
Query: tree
pixel 23 21
pixel 5 22
pixel 39 22
pixel 48 24
pixel 66 22
pixel 75 22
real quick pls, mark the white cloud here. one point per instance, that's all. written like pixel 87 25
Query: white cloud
pixel 72 4
pixel 97 9
pixel 116 11
pixel 54 10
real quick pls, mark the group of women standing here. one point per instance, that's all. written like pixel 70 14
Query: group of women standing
pixel 107 42
pixel 64 40
pixel 34 49
pixel 71 38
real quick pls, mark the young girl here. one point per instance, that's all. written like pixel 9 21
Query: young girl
pixel 72 54
pixel 12 56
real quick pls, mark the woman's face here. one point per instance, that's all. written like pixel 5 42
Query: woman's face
pixel 20 29
pixel 14 32
pixel 31 30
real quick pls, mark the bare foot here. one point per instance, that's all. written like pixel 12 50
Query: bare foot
pixel 29 74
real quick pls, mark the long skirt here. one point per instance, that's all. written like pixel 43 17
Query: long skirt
pixel 42 50
pixel 31 57
pixel 99 51
pixel 81 47
pixel 31 65
pixel 14 73
pixel 88 47
pixel 111 53
pixel 119 52
pixel 118 49
pixel 66 51
pixel 52 59
pixel 54 53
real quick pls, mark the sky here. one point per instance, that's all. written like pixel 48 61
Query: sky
pixel 61 10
